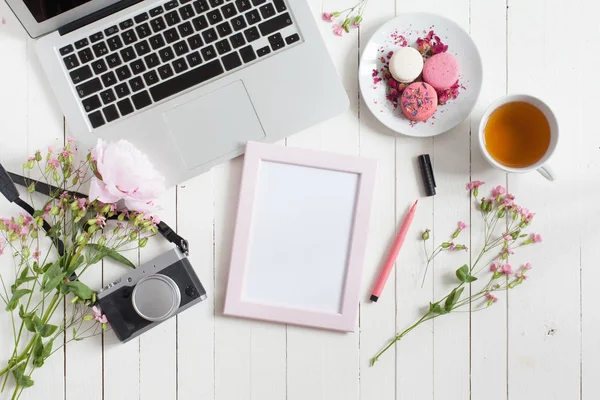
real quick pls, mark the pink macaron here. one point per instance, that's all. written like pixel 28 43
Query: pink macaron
pixel 419 101
pixel 441 71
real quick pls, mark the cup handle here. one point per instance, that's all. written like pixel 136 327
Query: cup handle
pixel 547 172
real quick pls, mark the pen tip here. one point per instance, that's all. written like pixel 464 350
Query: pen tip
pixel 416 201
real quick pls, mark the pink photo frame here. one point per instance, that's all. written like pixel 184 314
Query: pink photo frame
pixel 300 237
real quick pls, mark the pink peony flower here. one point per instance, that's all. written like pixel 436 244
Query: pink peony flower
pixel 474 185
pixel 98 316
pixel 536 237
pixel 53 162
pixel 328 17
pixel 338 30
pixel 491 296
pixel 498 190
pixel 125 173
pixel 461 225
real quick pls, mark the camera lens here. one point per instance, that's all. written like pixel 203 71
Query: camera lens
pixel 156 297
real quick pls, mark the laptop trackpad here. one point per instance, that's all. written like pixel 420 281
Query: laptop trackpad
pixel 214 125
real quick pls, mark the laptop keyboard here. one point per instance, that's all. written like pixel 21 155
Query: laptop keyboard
pixel 171 48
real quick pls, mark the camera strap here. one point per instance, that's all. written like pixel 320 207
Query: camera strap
pixel 9 190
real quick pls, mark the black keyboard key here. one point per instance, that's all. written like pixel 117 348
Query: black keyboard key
pixel 96 119
pixel 267 10
pixel 253 17
pixel 151 78
pixel 108 96
pixel 214 17
pixel 184 1
pixel 194 59
pixel 209 35
pixel 129 36
pixel 243 5
pixel 111 30
pixel 125 107
pixel 252 34
pixel 99 66
pixel 216 3
pixel 237 40
pixel 186 80
pixel 81 43
pixel 136 84
pixel 142 48
pixel 195 42
pixel 128 54
pixel 292 38
pixel 181 48
pixel 71 61
pixel 201 6
pixel 165 71
pixel 143 30
pixel 81 74
pixel 208 53
pixel 228 10
pixel 257 3
pixel 114 43
pixel 156 11
pixel 85 55
pixel 110 113
pixel 109 79
pixel 91 103
pixel 141 18
pixel 141 100
pixel 128 23
pixel 100 49
pixel 166 54
pixel 238 23
pixel 66 50
pixel 137 67
pixel 157 41
pixel 200 23
pixel 185 29
pixel 172 18
pixel 263 51
pixel 158 24
pixel 223 47
pixel 224 29
pixel 123 73
pixel 171 5
pixel 248 54
pixel 278 45
pixel 275 24
pixel 152 60
pixel 280 5
pixel 171 35
pixel 122 90
pixel 96 37
pixel 186 12
pixel 231 61
pixel 89 87
pixel 113 60
pixel 179 65
pixel 275 38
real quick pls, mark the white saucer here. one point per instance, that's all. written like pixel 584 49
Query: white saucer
pixel 412 26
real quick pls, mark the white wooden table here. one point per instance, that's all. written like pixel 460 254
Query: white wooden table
pixel 539 342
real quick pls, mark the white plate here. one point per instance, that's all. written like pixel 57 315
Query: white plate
pixel 413 26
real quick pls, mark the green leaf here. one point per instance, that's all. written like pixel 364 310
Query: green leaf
pixel 452 298
pixel 110 253
pixel 435 308
pixel 52 278
pixel 25 381
pixel 462 273
pixel 48 348
pixel 47 330
pixel 471 278
pixel 38 348
pixel 14 301
pixel 19 370
pixel 52 284
pixel 79 289
pixel 75 265
pixel 31 323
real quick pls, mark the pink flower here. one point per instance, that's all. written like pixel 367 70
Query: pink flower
pixel 507 237
pixel 461 225
pixel 81 203
pixel 1 246
pixel 36 254
pixel 155 220
pixel 506 269
pixel 125 173
pixel 494 267
pixel 98 316
pixel 527 215
pixel 452 246
pixel 527 266
pixel 474 185
pixel 491 297
pixel 438 47
pixel 520 275
pixel 26 219
pixel 70 140
pixel 328 17
pixel 53 162
pixel 50 149
pixel 338 30
pixel 356 24
pixel 498 190
pixel 100 220
pixel 536 237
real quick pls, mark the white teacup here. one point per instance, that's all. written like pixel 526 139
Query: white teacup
pixel 542 165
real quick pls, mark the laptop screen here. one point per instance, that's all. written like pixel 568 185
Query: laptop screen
pixel 43 10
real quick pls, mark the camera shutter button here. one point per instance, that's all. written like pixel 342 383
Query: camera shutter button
pixel 191 291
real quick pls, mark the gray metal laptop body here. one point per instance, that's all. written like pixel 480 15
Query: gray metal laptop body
pixel 187 107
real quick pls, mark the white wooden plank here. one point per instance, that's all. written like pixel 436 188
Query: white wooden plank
pixel 489 327
pixel 544 315
pixel 196 327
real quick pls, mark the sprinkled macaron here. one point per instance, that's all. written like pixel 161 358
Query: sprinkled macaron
pixel 419 101
pixel 406 64
pixel 441 71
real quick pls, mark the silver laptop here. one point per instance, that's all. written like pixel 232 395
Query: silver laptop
pixel 189 82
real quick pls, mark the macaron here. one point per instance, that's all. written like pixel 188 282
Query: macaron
pixel 419 101
pixel 406 64
pixel 441 71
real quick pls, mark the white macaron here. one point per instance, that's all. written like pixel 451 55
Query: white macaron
pixel 406 64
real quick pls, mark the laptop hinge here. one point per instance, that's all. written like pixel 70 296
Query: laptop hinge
pixel 95 16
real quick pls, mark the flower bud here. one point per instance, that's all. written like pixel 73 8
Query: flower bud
pixel 34 233
pixel 102 240
pixel 25 252
pixel 460 247
pixel 121 217
pixel 501 214
pixel 88 318
pixel 475 192
pixel 105 209
pixel 56 177
pixel 143 242
pixel 425 235
pixel 81 238
pixel 133 236
pixel 54 210
pixel 446 245
pixel 38 156
pixel 74 299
